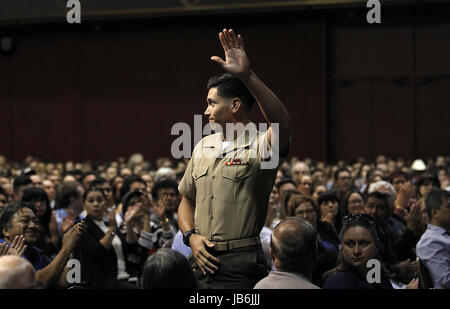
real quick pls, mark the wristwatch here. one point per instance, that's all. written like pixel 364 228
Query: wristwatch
pixel 187 235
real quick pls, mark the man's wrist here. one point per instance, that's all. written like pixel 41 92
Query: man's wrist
pixel 187 236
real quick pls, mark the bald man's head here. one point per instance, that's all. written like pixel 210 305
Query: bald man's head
pixel 294 244
pixel 16 273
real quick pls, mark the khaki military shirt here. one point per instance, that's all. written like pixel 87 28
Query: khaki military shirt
pixel 230 189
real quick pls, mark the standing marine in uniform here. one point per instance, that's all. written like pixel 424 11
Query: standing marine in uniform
pixel 226 185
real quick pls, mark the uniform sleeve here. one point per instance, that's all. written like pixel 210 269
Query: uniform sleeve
pixel 264 147
pixel 187 184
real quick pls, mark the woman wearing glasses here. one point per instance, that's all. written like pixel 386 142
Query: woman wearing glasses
pixel 359 246
pixel 305 207
pixel 353 203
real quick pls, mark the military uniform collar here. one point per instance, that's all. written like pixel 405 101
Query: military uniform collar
pixel 243 140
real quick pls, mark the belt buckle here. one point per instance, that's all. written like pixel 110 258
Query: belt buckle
pixel 229 246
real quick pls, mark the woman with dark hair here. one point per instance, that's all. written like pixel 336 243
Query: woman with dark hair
pixel 167 269
pixel 352 203
pixel 49 238
pixel 305 207
pixel 359 245
pixel 425 184
pixel 329 211
pixel 318 188
pixel 104 249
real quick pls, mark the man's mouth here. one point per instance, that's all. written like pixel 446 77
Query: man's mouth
pixel 32 233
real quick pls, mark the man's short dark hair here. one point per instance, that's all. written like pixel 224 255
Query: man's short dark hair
pixel 88 174
pixel 9 211
pixel 297 241
pixel 127 184
pixel 379 196
pixel 284 181
pixel 398 174
pixel 67 191
pixel 371 172
pixel 434 200
pixel 98 181
pixel 340 170
pixel 164 184
pixel 428 178
pixel 20 181
pixel 231 87
pixel 316 170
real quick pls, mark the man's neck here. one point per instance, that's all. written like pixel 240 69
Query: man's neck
pixel 235 133
pixel 437 223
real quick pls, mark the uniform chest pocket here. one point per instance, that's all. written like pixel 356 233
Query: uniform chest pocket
pixel 236 173
pixel 199 173
pixel 236 183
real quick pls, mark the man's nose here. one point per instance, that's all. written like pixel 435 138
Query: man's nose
pixel 207 111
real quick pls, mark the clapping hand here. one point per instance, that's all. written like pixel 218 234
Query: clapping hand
pixel 160 206
pixel 72 237
pixel 111 217
pixel 414 218
pixel 68 222
pixel 17 247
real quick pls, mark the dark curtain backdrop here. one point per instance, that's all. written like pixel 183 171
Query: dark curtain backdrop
pixel 96 92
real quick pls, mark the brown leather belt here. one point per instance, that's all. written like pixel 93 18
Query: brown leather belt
pixel 228 245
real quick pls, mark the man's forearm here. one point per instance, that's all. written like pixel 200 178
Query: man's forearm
pixel 270 105
pixel 186 214
pixel 50 274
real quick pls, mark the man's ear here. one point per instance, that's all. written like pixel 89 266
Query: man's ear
pixel 434 213
pixel 236 104
pixel 6 232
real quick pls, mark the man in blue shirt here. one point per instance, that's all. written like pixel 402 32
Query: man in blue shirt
pixel 433 248
pixel 20 218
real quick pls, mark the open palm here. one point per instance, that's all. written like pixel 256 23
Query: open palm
pixel 236 60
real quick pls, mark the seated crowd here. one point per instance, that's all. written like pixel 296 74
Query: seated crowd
pixel 114 225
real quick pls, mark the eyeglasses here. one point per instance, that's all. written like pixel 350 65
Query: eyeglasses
pixel 306 184
pixel 361 217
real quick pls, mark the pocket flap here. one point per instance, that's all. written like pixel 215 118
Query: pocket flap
pixel 200 171
pixel 236 173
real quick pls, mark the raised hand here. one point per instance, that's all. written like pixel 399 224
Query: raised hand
pixel 236 60
pixel 112 218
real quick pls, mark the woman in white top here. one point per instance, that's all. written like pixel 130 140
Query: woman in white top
pixel 103 250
